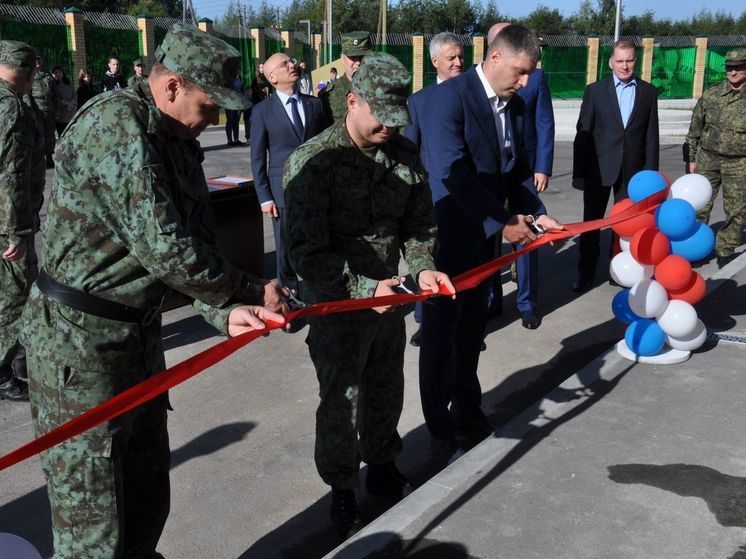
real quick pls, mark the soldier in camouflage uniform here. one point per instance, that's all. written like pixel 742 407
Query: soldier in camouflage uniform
pixel 355 46
pixel 42 94
pixel 139 68
pixel 22 183
pixel 357 195
pixel 716 148
pixel 129 219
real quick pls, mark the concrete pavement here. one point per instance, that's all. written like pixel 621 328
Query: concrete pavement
pixel 243 480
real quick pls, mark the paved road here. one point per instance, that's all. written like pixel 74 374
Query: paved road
pixel 243 479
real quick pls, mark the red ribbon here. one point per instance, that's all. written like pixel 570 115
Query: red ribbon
pixel 165 380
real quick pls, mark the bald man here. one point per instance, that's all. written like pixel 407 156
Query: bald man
pixel 279 124
pixel 538 137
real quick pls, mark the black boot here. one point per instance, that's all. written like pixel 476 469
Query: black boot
pixel 19 365
pixel 13 389
pixel 387 482
pixel 344 513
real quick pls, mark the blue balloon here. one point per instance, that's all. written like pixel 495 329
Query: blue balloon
pixel 644 337
pixel 676 219
pixel 697 246
pixel 621 309
pixel 644 184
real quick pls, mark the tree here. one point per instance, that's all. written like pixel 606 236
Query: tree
pixel 546 21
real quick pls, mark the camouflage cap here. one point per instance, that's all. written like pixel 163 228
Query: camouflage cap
pixel 137 62
pixel 735 57
pixel 17 54
pixel 205 60
pixel 383 82
pixel 356 43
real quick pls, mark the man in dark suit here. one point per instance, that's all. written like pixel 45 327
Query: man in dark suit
pixel 538 137
pixel 617 137
pixel 279 124
pixel 471 133
pixel 447 57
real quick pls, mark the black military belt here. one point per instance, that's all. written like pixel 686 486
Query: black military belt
pixel 90 304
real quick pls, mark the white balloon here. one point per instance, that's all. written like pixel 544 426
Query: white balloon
pixel 692 341
pixel 693 188
pixel 679 319
pixel 648 298
pixel 16 547
pixel 627 271
pixel 624 243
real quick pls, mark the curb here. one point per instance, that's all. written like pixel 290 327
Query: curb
pixel 466 470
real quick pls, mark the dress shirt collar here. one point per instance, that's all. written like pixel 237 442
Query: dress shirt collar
pixel 491 95
pixel 284 96
pixel 617 81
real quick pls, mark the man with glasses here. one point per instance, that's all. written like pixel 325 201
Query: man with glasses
pixel 355 46
pixel 716 148
pixel 139 74
pixel 279 124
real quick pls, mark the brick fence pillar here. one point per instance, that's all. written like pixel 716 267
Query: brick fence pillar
pixel 648 44
pixel 480 42
pixel 418 61
pixel 591 70
pixel 700 67
pixel 206 25
pixel 288 37
pixel 146 27
pixel 76 38
pixel 257 39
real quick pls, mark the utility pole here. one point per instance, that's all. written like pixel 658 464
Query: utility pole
pixel 329 30
pixel 618 20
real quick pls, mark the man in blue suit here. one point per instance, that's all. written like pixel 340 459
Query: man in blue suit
pixel 279 124
pixel 447 56
pixel 471 133
pixel 538 137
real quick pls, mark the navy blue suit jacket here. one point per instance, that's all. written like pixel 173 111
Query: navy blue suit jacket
pixel 274 137
pixel 462 154
pixel 538 131
pixel 416 105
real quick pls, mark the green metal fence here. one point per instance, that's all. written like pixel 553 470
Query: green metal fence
pixel 102 44
pixel 673 71
pixel 715 65
pixel 50 41
pixel 305 52
pixel 245 47
pixel 272 46
pixel 403 53
pixel 565 70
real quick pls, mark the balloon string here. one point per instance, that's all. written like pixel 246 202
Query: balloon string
pixel 165 380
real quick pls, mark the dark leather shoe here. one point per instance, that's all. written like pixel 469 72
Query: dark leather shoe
pixel 446 451
pixel 530 320
pixel 343 512
pixel 725 260
pixel 387 482
pixel 415 339
pixel 14 390
pixel 582 284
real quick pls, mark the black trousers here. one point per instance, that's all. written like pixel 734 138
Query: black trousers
pixel 595 200
pixel 285 273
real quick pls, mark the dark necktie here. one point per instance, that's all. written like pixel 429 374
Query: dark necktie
pixel 297 122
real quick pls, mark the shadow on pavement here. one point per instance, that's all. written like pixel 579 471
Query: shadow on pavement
pixel 29 516
pixel 396 548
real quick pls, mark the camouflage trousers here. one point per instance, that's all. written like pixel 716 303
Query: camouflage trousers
pixel 109 487
pixel 730 174
pixel 15 282
pixel 359 361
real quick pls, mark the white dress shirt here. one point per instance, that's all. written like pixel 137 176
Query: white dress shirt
pixel 285 100
pixel 502 123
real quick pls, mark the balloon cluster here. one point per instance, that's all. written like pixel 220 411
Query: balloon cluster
pixel 658 248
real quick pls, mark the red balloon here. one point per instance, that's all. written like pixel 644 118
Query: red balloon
pixel 674 272
pixel 692 293
pixel 629 227
pixel 649 246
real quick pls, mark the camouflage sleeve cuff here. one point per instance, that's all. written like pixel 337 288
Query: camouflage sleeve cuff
pixel 363 287
pixel 218 318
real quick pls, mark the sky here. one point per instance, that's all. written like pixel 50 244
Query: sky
pixel 671 9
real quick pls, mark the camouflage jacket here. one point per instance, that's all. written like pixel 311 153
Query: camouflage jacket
pixel 134 80
pixel 350 213
pixel 20 197
pixel 129 217
pixel 334 98
pixel 718 123
pixel 38 171
pixel 42 92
